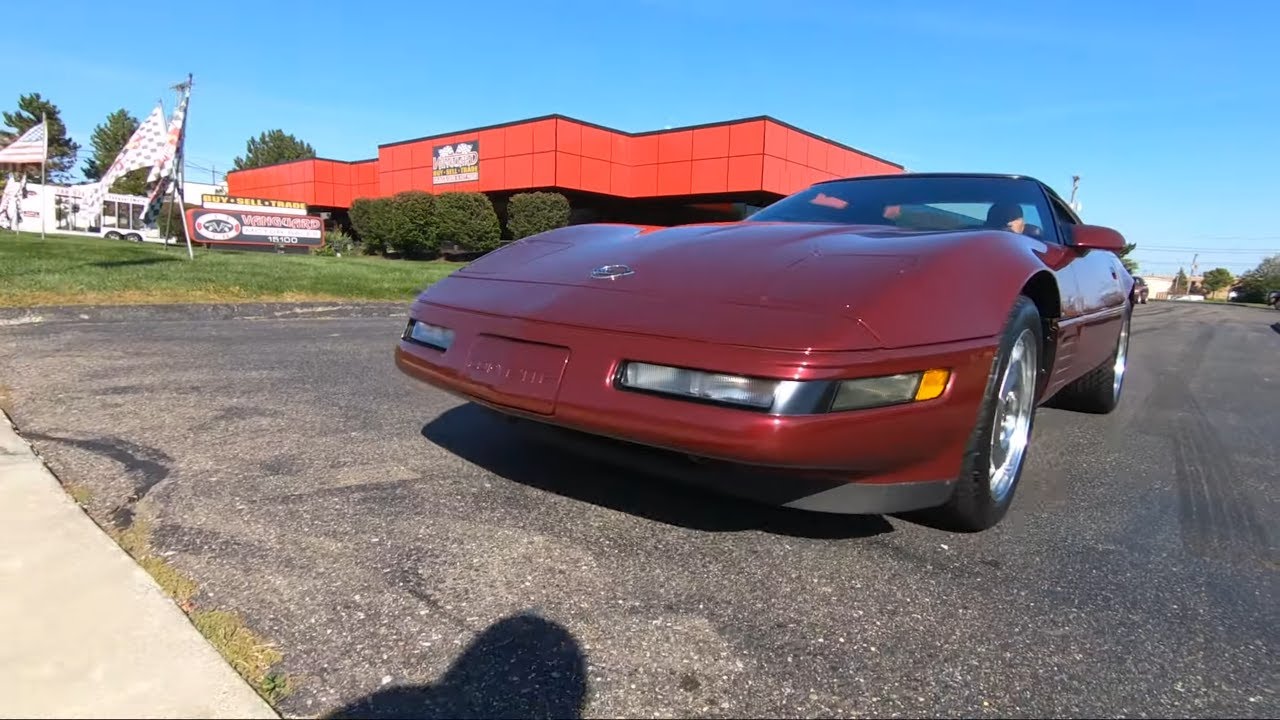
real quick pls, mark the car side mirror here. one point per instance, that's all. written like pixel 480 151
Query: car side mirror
pixel 1096 237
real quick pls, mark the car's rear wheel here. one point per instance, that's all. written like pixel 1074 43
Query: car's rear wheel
pixel 997 448
pixel 1099 390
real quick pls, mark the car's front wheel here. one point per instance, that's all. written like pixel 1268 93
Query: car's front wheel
pixel 998 446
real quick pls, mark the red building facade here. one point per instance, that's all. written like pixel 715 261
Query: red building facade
pixel 664 177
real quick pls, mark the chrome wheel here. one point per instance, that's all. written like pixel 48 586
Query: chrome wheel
pixel 1014 406
pixel 1122 357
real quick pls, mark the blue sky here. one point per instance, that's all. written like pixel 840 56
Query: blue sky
pixel 1169 112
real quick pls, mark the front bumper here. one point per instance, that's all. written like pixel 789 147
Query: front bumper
pixel 915 443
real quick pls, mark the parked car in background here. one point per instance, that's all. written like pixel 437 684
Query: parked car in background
pixel 1140 290
pixel 1273 299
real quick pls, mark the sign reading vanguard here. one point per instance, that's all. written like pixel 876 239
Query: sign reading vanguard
pixel 243 227
pixel 455 163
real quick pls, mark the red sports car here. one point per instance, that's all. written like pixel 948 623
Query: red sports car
pixel 868 345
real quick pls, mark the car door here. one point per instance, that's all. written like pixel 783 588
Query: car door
pixel 1061 260
pixel 1097 310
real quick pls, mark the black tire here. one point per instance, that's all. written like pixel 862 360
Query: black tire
pixel 1098 391
pixel 973 505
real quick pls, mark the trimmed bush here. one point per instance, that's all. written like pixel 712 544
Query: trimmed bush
pixel 534 212
pixel 468 221
pixel 371 221
pixel 413 232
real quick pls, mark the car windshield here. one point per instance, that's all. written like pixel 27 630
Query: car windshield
pixel 918 203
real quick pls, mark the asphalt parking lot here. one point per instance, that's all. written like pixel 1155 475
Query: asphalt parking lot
pixel 410 554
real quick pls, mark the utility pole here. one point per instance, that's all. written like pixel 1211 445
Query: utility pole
pixel 1075 185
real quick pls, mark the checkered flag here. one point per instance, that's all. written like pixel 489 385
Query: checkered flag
pixel 162 173
pixel 164 164
pixel 144 149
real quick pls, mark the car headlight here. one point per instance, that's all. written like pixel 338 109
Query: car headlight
pixel 440 338
pixel 697 384
pixel 890 390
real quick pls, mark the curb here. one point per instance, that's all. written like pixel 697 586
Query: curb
pixel 188 312
pixel 88 631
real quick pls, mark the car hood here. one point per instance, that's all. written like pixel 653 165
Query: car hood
pixel 732 262
pixel 793 285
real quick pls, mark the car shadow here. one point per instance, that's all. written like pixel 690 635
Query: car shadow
pixel 521 666
pixel 484 438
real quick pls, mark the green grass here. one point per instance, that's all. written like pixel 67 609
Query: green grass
pixel 251 655
pixel 62 270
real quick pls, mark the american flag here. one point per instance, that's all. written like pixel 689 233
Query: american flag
pixel 30 147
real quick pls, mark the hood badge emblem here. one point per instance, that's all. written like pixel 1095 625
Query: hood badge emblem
pixel 610 272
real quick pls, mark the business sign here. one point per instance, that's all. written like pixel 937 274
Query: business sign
pixel 230 202
pixel 455 163
pixel 240 227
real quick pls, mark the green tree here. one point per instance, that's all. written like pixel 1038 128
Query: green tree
pixel 273 147
pixel 468 221
pixel 1216 279
pixel 108 140
pixel 534 212
pixel 1256 283
pixel 1129 263
pixel 62 149
pixel 1179 283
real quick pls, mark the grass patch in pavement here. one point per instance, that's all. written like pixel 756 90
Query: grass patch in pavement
pixel 136 540
pixel 69 270
pixel 241 647
pixel 248 654
pixel 81 494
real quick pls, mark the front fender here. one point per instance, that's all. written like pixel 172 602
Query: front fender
pixel 958 291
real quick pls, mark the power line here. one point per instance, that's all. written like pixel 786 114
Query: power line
pixel 1205 251
pixel 1237 237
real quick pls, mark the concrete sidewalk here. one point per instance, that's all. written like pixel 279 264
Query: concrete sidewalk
pixel 84 631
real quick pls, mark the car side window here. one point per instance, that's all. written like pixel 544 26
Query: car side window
pixel 1062 219
pixel 1035 223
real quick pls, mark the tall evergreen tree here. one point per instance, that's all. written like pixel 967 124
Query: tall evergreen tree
pixel 272 147
pixel 108 140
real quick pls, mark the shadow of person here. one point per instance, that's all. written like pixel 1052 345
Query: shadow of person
pixel 646 484
pixel 522 666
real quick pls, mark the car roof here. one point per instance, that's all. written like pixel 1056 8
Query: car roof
pixel 883 176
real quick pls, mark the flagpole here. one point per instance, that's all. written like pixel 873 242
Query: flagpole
pixel 44 187
pixel 180 172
